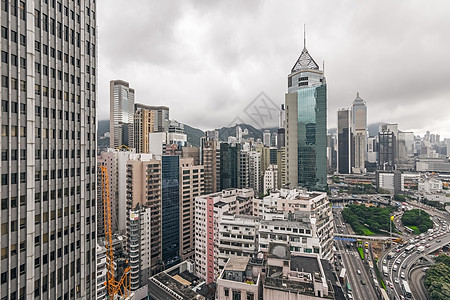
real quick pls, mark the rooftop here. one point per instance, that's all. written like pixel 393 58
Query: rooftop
pixel 237 264
pixel 305 264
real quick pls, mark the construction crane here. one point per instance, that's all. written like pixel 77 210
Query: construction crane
pixel 114 287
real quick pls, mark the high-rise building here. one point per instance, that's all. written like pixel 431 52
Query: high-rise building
pixel 345 138
pixel 359 126
pixel 243 169
pixel 144 191
pixel 48 143
pixel 271 178
pixel 209 210
pixel 238 134
pixel 170 209
pixel 121 114
pixel 254 161
pixel 281 138
pixel 208 159
pixel 306 124
pixel 144 124
pixel 387 150
pixel 267 141
pixel 191 186
pixel 229 163
pixel 139 244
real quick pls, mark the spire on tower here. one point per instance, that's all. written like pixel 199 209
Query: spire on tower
pixel 304 36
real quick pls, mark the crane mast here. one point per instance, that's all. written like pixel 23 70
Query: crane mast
pixel 114 287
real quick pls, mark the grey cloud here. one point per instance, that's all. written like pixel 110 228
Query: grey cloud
pixel 208 59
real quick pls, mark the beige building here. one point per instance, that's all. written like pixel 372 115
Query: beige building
pixel 192 185
pixel 143 189
pixel 295 277
pixel 209 210
pixel 144 123
pixel 303 218
pixel 193 152
pixel 240 279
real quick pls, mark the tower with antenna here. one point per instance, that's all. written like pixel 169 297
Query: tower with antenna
pixel 306 123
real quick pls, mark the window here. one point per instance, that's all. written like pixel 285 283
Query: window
pixel 236 295
pixel 4 57
pixel 4 32
pixel 5 81
pixel 4 179
pixel 13 36
pixel 227 292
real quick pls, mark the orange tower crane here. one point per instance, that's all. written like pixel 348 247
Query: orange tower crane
pixel 113 287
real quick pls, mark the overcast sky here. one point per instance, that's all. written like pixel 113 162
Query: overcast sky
pixel 208 60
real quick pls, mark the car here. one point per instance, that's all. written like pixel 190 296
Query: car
pixel 363 282
pixel 438 241
pixel 418 244
pixel 404 255
pixel 402 275
pixel 423 242
pixel 396 280
pixel 425 269
pixel 350 296
pixel 404 266
pixel 397 250
pixel 398 261
pixel 427 245
pixel 358 271
pixel 384 261
pixel 431 238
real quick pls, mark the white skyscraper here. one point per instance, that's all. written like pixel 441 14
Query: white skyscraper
pixel 121 114
pixel 266 138
pixel 48 167
pixel 359 114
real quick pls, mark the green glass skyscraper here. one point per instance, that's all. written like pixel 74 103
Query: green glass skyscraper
pixel 306 125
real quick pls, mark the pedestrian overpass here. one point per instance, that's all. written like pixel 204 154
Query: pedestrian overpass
pixel 361 238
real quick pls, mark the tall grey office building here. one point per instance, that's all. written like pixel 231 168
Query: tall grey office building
pixel 48 144
pixel 306 125
pixel 359 114
pixel 344 141
pixel 121 114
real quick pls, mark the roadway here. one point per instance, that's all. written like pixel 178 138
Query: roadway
pixel 405 260
pixel 352 262
pixel 417 278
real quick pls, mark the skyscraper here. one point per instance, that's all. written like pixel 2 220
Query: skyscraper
pixel 306 124
pixel 345 138
pixel 144 124
pixel 48 144
pixel 170 208
pixel 359 114
pixel 121 114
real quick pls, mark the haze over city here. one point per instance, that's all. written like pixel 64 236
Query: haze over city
pixel 218 56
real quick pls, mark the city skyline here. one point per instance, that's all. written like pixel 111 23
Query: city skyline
pixel 379 59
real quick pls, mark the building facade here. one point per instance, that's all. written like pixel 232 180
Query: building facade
pixel 306 124
pixel 192 185
pixel 144 191
pixel 345 139
pixel 359 126
pixel 170 209
pixel 144 124
pixel 48 143
pixel 209 210
pixel 121 114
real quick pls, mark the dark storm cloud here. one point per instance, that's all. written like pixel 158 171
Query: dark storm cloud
pixel 207 60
